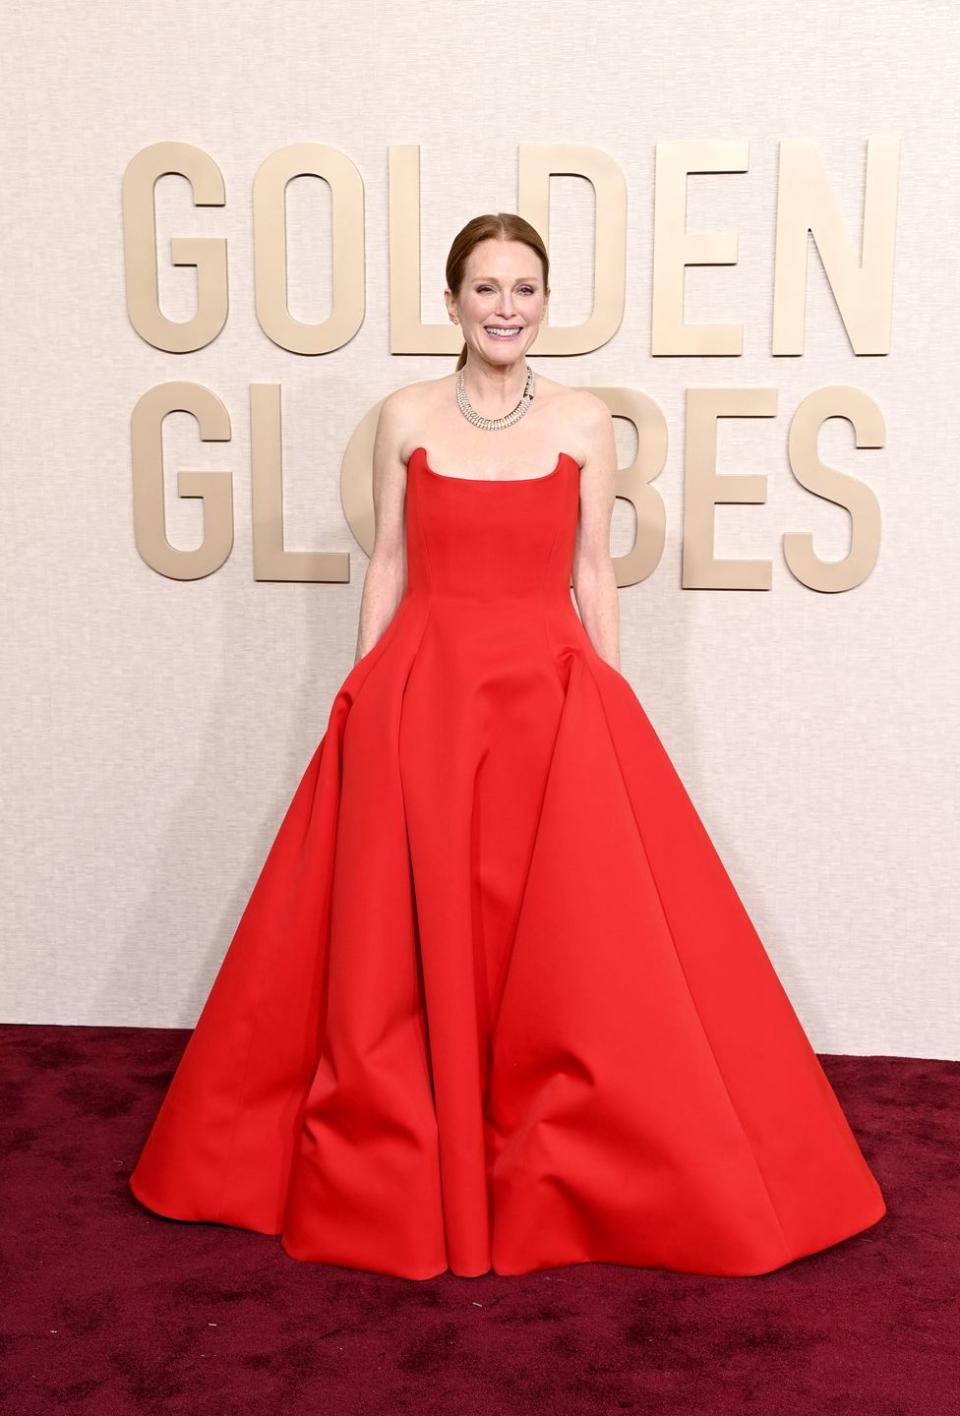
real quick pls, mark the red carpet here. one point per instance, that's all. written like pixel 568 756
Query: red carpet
pixel 110 1309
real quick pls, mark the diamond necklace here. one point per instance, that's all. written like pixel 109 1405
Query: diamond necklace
pixel 494 424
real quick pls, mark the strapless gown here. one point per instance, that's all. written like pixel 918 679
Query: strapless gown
pixel 494 1001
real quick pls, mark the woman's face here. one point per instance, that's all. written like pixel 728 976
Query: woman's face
pixel 502 289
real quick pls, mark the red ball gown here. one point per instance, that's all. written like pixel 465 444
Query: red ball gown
pixel 494 1001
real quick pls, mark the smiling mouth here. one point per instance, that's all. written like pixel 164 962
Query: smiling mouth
pixel 503 331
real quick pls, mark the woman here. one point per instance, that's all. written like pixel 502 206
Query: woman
pixel 494 1001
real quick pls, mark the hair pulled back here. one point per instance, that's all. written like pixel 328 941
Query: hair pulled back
pixel 498 226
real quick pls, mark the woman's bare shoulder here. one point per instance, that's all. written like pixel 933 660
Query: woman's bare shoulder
pixel 407 410
pixel 579 417
pixel 567 398
pixel 414 395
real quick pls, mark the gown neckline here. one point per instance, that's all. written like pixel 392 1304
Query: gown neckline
pixel 487 481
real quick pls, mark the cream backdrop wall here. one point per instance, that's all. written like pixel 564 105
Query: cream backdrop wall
pixel 155 729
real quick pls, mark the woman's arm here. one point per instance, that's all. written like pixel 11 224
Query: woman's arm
pixel 594 578
pixel 386 576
